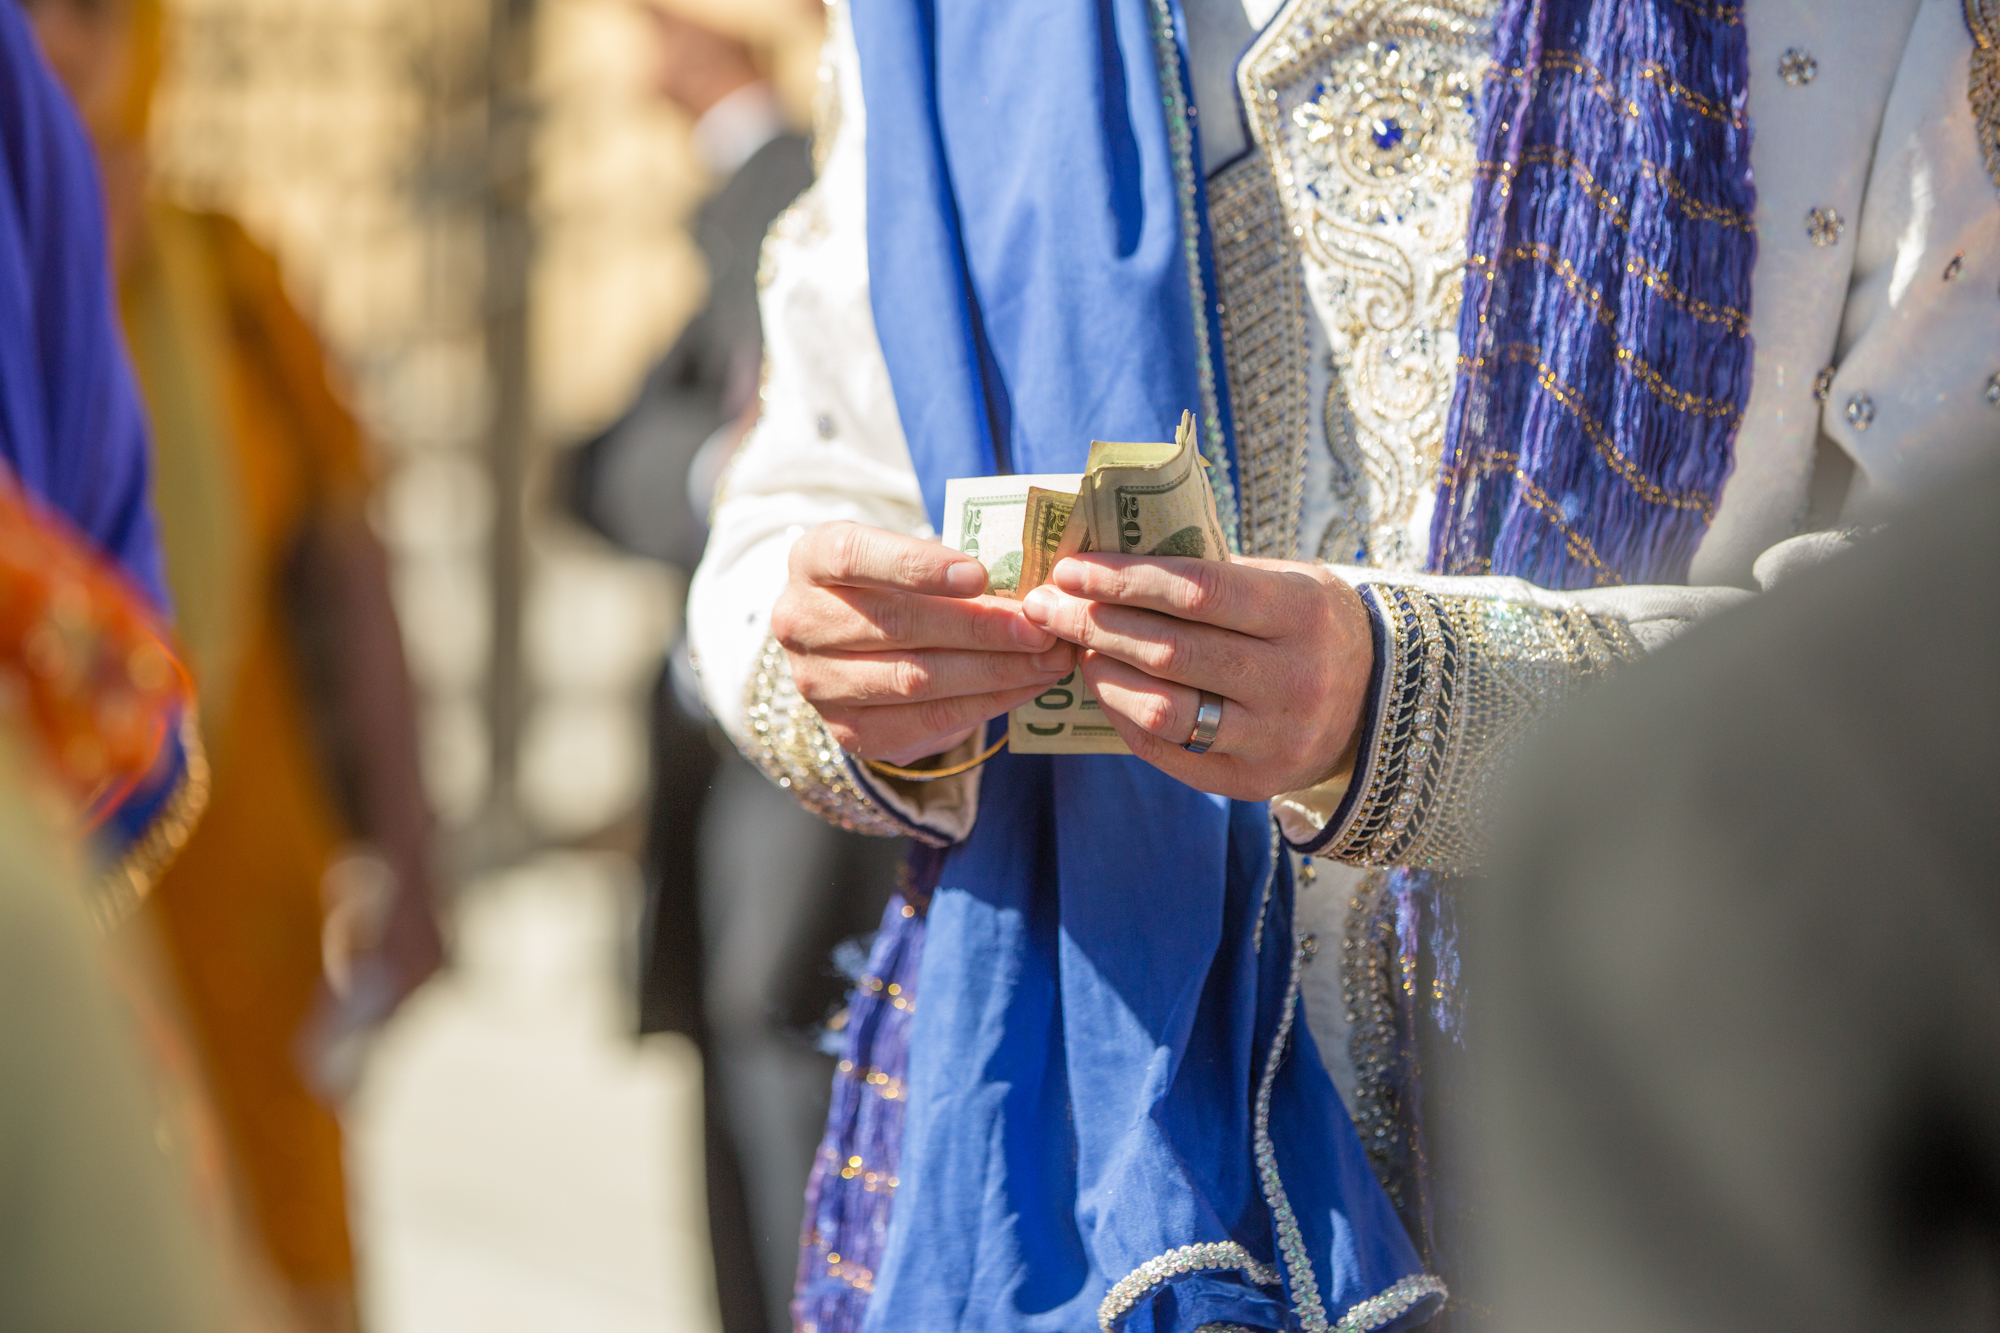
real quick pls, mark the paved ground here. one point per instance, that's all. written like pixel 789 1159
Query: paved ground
pixel 521 1164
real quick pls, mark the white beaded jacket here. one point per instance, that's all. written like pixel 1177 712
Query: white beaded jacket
pixel 1876 324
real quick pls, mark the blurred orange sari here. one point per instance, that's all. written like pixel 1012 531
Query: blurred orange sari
pixel 257 463
pixel 88 675
pixel 251 446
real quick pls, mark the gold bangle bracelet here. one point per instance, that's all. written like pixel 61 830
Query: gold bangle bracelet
pixel 934 774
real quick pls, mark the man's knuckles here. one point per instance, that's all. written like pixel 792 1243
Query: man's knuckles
pixel 937 717
pixel 1206 589
pixel 847 549
pixel 1154 712
pixel 788 623
pixel 812 677
pixel 892 616
pixel 1170 653
pixel 911 677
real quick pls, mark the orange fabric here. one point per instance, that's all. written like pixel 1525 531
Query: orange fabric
pixel 85 666
pixel 240 909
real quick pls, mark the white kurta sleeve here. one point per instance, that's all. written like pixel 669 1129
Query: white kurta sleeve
pixel 828 445
pixel 1464 669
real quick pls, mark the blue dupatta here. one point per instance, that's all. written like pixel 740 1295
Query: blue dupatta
pixel 1115 1114
pixel 72 424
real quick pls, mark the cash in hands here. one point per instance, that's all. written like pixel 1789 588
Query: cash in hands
pixel 1138 499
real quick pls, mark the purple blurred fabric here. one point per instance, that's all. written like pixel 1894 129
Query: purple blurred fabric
pixel 72 424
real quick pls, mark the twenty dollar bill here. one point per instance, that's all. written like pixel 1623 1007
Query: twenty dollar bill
pixel 985 518
pixel 1141 499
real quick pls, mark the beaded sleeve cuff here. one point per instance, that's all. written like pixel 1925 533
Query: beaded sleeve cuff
pixel 1460 681
pixel 785 738
pixel 122 888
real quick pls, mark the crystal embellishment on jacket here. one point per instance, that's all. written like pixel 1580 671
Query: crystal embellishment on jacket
pixel 1366 113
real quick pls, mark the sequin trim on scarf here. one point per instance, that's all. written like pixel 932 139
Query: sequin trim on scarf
pixel 1208 1257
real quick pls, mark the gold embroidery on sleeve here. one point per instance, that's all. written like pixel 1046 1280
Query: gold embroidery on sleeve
pixel 1466 678
pixel 789 742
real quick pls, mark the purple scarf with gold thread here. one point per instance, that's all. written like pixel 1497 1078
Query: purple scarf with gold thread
pixel 1605 351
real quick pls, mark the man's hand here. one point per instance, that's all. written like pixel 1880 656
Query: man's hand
pixel 891 640
pixel 1287 646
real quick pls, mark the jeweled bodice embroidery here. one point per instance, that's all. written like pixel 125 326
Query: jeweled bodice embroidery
pixel 1341 363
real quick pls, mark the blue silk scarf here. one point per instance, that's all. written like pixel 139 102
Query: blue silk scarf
pixel 1604 342
pixel 72 424
pixel 1107 1066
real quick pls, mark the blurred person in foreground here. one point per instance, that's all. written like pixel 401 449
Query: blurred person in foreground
pixel 99 773
pixel 299 914
pixel 97 1230
pixel 747 895
pixel 1738 1042
pixel 1514 332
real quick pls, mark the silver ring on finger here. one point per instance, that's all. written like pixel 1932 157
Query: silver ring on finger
pixel 1207 721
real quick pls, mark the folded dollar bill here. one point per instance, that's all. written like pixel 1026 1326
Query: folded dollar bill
pixel 1143 499
pixel 985 517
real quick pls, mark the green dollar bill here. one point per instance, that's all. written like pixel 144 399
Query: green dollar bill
pixel 1141 499
pixel 984 516
pixel 1152 499
pixel 1047 535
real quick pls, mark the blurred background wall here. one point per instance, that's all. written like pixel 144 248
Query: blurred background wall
pixel 484 209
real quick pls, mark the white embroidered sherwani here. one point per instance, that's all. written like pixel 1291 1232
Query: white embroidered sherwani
pixel 1876 323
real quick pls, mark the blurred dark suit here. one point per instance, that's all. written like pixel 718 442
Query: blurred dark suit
pixel 747 894
pixel 1739 970
pixel 631 482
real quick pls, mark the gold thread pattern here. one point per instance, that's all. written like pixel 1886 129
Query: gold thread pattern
pixel 853 1274
pixel 789 742
pixel 1364 111
pixel 1728 15
pixel 1607 448
pixel 854 1168
pixel 1737 322
pixel 885 1085
pixel 1729 317
pixel 1611 204
pixel 1263 350
pixel 1575 63
pixel 1538 499
pixel 1679 399
pixel 1578 545
pixel 1695 208
pixel 898 999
